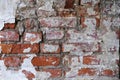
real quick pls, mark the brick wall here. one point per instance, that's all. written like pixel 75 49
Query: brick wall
pixel 61 40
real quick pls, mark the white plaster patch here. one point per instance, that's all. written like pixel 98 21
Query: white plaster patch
pixel 30 37
pixel 68 47
pixel 7 11
pixel 50 48
pixel 72 73
pixel 75 37
pixel 0 49
pixel 26 50
pixel 43 75
pixel 75 61
pixel 90 22
pixel 92 78
pixel 92 1
pixel 1 24
pixel 53 62
pixel 110 41
pixel 48 5
pixel 90 11
pixel 17 75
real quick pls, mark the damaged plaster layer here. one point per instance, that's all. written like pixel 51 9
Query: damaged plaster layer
pixel 58 22
pixel 18 74
pixel 47 5
pixel 109 37
pixel 7 11
pixel 91 11
pixel 43 75
pixel 0 48
pixel 32 38
pixel 93 2
pixel 92 78
pixel 50 48
pixel 54 34
pixel 27 50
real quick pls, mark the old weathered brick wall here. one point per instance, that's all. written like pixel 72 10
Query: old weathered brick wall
pixel 61 40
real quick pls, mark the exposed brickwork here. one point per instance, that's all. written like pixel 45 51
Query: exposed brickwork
pixel 46 61
pixel 54 72
pixel 9 36
pixel 19 48
pixel 87 71
pixel 59 40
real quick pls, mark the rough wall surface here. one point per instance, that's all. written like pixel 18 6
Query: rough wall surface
pixel 60 40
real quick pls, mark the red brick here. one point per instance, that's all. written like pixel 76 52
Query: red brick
pixel 28 48
pixel 69 4
pixel 9 36
pixel 58 22
pixel 12 61
pixel 46 61
pixel 54 72
pixel 87 71
pixel 28 74
pixel 16 48
pixel 33 37
pixel 90 60
pixel 50 48
pixel 53 35
pixel 9 25
pixel 19 48
pixel 107 72
pixel 6 48
pixel 35 48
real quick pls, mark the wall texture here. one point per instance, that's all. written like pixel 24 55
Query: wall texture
pixel 60 40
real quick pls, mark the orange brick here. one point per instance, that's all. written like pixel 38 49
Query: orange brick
pixel 107 72
pixel 6 48
pixel 46 61
pixel 28 74
pixel 54 72
pixel 87 71
pixel 9 25
pixel 19 48
pixel 91 60
pixel 12 61
pixel 16 48
pixel 69 4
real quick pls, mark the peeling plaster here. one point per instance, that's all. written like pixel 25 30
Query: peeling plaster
pixel 26 50
pixel 51 48
pixel 7 11
pixel 43 75
pixel 6 74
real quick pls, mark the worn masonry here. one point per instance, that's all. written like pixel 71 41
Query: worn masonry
pixel 59 39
